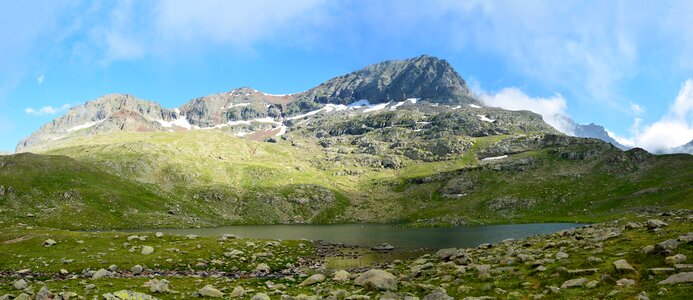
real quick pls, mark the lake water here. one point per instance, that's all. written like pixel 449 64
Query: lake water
pixel 374 234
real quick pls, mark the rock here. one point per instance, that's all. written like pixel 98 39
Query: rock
pixel 112 268
pixel 133 237
pixel 136 269
pixel 64 272
pixel 341 275
pixel 157 286
pixel 573 283
pixel 101 273
pixel 23 296
pixel 647 249
pixel 49 242
pixel 210 291
pixel 625 282
pixel 237 292
pixel 263 268
pixel 191 236
pixel 562 255
pixel 654 224
pixel 622 266
pixel 20 284
pixel 260 296
pixel 661 270
pixel 313 279
pixel 438 294
pixel 667 245
pixel 642 296
pixel 377 280
pixel 592 284
pixel 675 259
pixel 684 277
pixel 446 254
pixel 127 295
pixel 44 294
pixel 159 234
pixel 632 225
pixel 684 267
pixel 146 250
pixel 484 271
pixel 384 247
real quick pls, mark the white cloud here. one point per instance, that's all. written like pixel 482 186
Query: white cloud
pixel 47 110
pixel 637 109
pixel 40 79
pixel 673 129
pixel 552 109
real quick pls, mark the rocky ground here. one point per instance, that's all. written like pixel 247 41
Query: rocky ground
pixel 643 257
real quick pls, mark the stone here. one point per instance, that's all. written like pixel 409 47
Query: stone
pixel 623 266
pixel 632 225
pixel 159 234
pixel 64 272
pixel 562 255
pixel 684 267
pixel 484 271
pixel 625 282
pixel 341 275
pixel 384 247
pixel 675 259
pixel 101 273
pixel 260 296
pixel 438 294
pixel 191 236
pixel 661 270
pixel 136 269
pixel 157 286
pixel 237 292
pixel 670 244
pixel 44 294
pixel 146 250
pixel 211 291
pixel 313 279
pixel 684 277
pixel 49 242
pixel 654 224
pixel 447 254
pixel 573 283
pixel 647 249
pixel 642 296
pixel 20 284
pixel 376 279
pixel 23 296
pixel 263 268
pixel 112 268
pixel 127 295
pixel 592 284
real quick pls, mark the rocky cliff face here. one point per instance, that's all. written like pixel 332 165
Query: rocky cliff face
pixel 115 112
pixel 598 132
pixel 424 77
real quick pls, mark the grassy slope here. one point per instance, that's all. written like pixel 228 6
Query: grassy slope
pixel 210 178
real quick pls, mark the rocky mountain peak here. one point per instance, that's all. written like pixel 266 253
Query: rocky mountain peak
pixel 424 77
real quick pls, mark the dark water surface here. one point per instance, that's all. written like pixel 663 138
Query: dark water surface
pixel 373 234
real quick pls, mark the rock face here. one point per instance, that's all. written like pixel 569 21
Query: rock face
pixel 377 280
pixel 424 77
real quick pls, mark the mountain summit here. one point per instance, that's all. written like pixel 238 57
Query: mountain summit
pixel 424 77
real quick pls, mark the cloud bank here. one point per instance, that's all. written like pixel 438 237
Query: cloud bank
pixel 47 110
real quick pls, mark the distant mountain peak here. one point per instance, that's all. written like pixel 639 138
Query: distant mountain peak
pixel 424 77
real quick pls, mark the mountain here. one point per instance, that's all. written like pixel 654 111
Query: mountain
pixel 399 141
pixel 685 148
pixel 598 132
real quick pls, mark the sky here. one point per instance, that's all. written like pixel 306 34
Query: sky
pixel 626 65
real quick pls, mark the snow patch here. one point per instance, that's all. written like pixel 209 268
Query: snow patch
pixel 85 125
pixel 181 121
pixel 457 107
pixel 494 158
pixel 398 104
pixel 485 118
pixel 474 106
pixel 327 108
pixel 282 131
pixel 360 103
pixel 376 107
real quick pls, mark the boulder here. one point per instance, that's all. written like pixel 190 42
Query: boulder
pixel 101 273
pixel 136 269
pixel 237 292
pixel 684 277
pixel 675 259
pixel 341 275
pixel 313 279
pixel 625 282
pixel 377 280
pixel 438 294
pixel 654 224
pixel 146 250
pixel 211 291
pixel 20 284
pixel 670 244
pixel 263 268
pixel 127 295
pixel 260 296
pixel 157 286
pixel 49 242
pixel 446 254
pixel 573 283
pixel 623 266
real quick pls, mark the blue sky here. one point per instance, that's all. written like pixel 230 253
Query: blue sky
pixel 627 65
